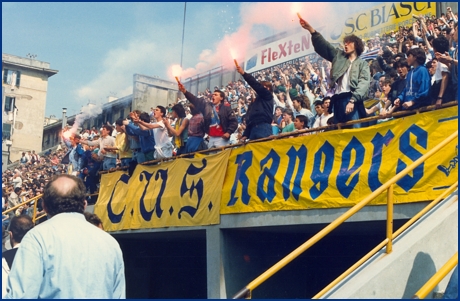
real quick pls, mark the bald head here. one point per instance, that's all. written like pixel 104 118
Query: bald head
pixel 63 185
pixel 64 193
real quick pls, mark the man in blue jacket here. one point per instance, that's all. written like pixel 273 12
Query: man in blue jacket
pixel 349 73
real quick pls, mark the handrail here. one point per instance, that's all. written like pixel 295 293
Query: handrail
pixel 24 203
pixel 385 242
pixel 246 291
pixel 437 277
pixel 34 217
pixel 297 133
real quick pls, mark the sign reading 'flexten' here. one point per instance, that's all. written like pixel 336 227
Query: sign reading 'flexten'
pixel 279 52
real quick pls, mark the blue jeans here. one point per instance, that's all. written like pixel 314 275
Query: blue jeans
pixel 340 104
pixel 109 163
pixel 193 144
pixel 261 130
pixel 138 156
pixel 125 162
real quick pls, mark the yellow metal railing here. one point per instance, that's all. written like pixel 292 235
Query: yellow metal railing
pixel 246 291
pixel 436 278
pixel 25 203
pixel 387 241
pixel 35 218
pixel 296 133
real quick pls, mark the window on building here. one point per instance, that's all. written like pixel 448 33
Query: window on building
pixel 109 117
pixel 6 131
pixel 11 77
pixel 9 103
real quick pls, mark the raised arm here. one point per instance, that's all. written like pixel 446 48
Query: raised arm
pixel 322 47
pixel 264 93
pixel 179 131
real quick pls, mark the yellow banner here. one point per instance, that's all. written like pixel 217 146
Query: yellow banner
pixel 340 168
pixel 183 192
pixel 380 19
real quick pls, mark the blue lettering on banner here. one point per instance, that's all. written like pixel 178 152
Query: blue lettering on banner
pixel 293 154
pixel 113 217
pixel 407 182
pixel 320 177
pixel 199 188
pixel 147 215
pixel 268 173
pixel 244 161
pixel 378 141
pixel 345 172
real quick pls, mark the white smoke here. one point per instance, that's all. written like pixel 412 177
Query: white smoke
pixel 259 17
pixel 86 112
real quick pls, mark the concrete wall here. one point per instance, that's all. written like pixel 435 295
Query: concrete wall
pixel 243 246
pixel 150 92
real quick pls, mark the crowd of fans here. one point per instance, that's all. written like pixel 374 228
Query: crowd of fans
pixel 27 180
pixel 302 98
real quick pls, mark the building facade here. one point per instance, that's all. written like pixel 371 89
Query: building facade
pixel 25 86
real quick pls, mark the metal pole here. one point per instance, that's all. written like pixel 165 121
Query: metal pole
pixel 390 219
pixel 8 162
pixel 183 35
pixel 64 122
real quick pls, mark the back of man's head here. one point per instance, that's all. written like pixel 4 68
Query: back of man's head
pixel 17 190
pixel 119 122
pixel 93 219
pixel 441 44
pixel 64 193
pixel 144 116
pixel 19 226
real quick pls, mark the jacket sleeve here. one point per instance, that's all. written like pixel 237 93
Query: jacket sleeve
pixel 258 87
pixel 363 82
pixel 80 150
pixel 136 131
pixel 232 121
pixel 200 104
pixel 323 47
pixel 382 64
pixel 424 86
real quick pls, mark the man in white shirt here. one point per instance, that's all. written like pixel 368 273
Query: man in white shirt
pixel 163 145
pixel 106 141
pixel 322 120
pixel 66 257
pixel 439 91
pixel 300 110
pixel 17 180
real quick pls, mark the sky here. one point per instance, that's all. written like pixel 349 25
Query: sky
pixel 98 47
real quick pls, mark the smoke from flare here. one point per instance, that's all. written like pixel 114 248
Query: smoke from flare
pixel 86 112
